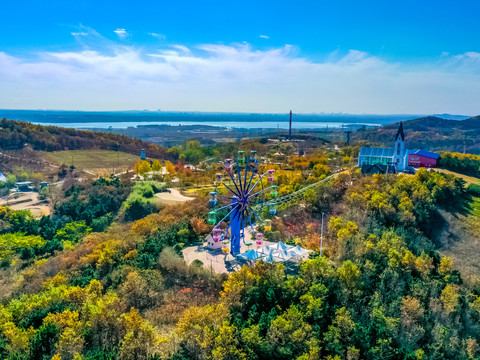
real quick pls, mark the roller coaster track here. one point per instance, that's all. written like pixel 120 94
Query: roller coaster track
pixel 299 195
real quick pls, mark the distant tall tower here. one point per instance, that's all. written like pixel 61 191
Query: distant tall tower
pixel 290 128
pixel 399 150
pixel 347 143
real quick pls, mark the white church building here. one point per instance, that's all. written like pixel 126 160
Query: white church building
pixel 396 157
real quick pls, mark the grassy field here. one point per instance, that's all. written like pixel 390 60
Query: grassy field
pixel 463 234
pixel 95 161
pixel 468 179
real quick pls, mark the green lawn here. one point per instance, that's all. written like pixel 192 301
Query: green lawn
pixel 464 233
pixel 474 219
pixel 468 179
pixel 97 161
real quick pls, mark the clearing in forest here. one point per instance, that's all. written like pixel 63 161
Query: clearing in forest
pixel 94 161
pixel 27 201
pixel 172 197
pixel 463 233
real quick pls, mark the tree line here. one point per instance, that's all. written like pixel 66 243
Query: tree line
pixel 15 134
pixel 467 164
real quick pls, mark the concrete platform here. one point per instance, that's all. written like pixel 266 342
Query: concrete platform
pixel 216 259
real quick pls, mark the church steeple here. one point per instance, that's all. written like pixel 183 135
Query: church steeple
pixel 399 152
pixel 400 132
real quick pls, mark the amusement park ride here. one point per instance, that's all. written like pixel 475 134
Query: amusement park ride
pixel 246 194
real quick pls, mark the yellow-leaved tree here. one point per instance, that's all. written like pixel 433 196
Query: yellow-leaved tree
pixel 156 165
pixel 170 167
pixel 142 167
pixel 141 339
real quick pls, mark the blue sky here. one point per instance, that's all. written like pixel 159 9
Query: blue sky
pixel 312 56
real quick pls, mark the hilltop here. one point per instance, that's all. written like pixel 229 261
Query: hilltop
pixel 433 133
pixel 15 134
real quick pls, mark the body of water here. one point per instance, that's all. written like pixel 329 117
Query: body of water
pixel 230 124
pixel 125 119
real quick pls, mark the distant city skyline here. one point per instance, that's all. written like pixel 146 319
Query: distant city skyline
pixel 371 57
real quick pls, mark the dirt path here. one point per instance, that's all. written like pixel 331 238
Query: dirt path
pixel 173 196
pixel 28 201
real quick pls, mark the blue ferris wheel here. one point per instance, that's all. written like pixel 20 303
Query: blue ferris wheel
pixel 246 195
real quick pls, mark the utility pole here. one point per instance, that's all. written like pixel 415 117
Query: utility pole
pixel 321 237
pixel 290 128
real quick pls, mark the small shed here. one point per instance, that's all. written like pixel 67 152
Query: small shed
pixel 24 186
pixel 378 169
pixel 213 245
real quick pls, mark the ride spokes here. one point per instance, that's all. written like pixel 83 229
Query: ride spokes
pixel 239 198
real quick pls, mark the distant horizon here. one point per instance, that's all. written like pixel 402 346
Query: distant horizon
pixel 237 112
pixel 134 118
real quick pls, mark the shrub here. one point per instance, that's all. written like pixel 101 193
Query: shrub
pixel 197 263
pixel 138 209
pixel 474 189
pixel 156 187
pixel 148 193
pixel 140 202
pixel 177 248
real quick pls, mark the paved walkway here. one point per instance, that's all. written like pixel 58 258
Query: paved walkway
pixel 218 261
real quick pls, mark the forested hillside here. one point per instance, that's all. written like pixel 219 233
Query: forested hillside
pixel 15 134
pixel 88 283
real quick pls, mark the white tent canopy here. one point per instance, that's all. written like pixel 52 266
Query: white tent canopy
pixel 251 255
pixel 278 252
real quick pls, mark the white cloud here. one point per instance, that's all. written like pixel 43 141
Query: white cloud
pixel 237 77
pixel 76 34
pixel 122 33
pixel 158 36
pixel 264 36
pixel 182 48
